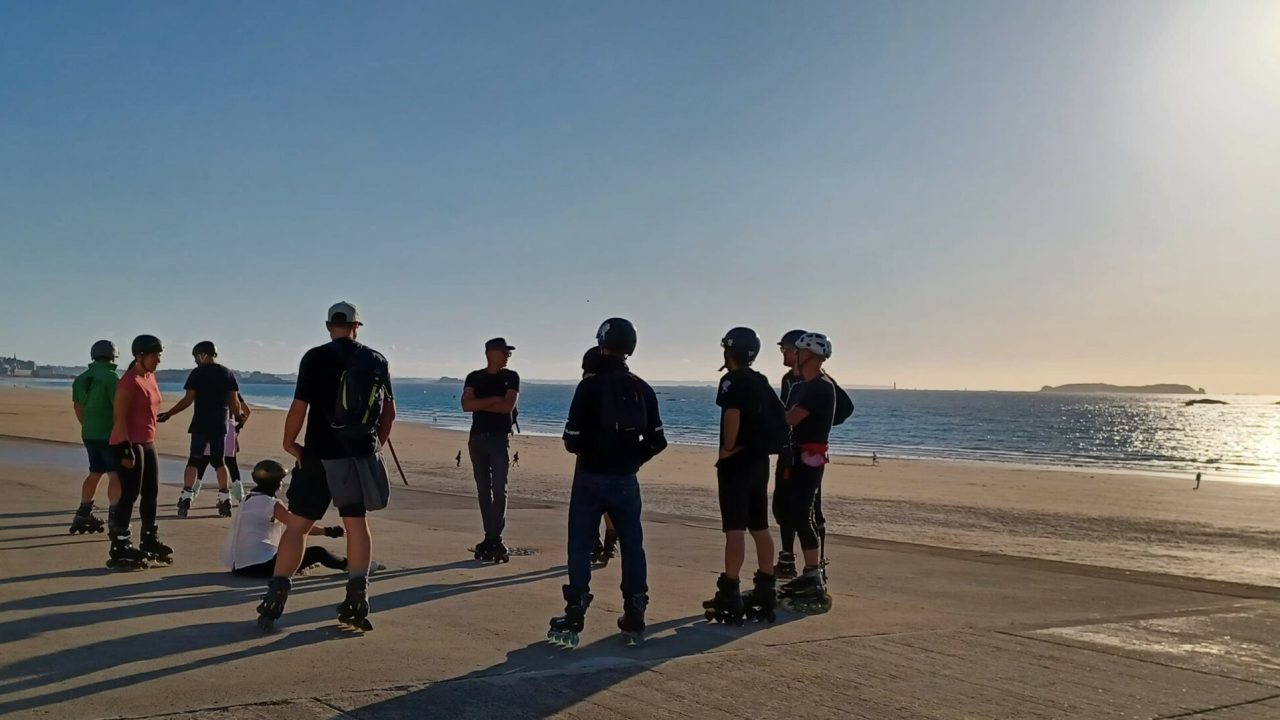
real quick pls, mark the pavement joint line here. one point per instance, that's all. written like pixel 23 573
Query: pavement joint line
pixel 1201 611
pixel 341 713
pixel 1123 656
pixel 1228 706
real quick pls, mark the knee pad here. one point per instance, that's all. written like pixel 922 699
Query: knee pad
pixel 217 463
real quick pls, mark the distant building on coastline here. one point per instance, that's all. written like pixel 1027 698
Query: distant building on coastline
pixel 14 367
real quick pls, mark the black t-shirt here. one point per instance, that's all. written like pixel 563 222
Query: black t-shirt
pixel 213 385
pixel 818 396
pixel 788 382
pixel 489 385
pixel 319 381
pixel 739 390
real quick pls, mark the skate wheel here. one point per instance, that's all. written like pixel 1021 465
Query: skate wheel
pixel 266 624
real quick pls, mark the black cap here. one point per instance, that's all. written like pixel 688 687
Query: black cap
pixel 790 338
pixel 498 344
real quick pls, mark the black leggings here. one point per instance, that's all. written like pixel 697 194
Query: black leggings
pixel 140 481
pixel 781 514
pixel 794 503
pixel 313 555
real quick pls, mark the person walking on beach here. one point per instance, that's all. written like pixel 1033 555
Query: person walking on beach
pixel 811 407
pixel 1197 487
pixel 133 435
pixel 216 394
pixel 614 428
pixel 490 395
pixel 752 425
pixel 458 458
pixel 875 459
pixel 92 396
pixel 340 462
pixel 785 569
pixel 515 459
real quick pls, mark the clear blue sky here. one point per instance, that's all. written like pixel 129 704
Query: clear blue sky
pixel 983 195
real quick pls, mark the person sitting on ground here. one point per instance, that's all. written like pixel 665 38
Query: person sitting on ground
pixel 255 532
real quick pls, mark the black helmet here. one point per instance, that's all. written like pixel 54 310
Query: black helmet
pixel 268 474
pixel 205 347
pixel 591 360
pixel 103 350
pixel 144 344
pixel 742 344
pixel 617 335
pixel 791 337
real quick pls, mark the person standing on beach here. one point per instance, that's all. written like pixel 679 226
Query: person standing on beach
pixel 458 459
pixel 747 437
pixel 216 394
pixel 606 549
pixel 786 567
pixel 1197 487
pixel 515 460
pixel 490 395
pixel 92 396
pixel 614 428
pixel 340 462
pixel 811 408
pixel 133 435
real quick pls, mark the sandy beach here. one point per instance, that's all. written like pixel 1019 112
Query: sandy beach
pixel 1224 531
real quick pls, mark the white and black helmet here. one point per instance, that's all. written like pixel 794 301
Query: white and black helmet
pixel 816 343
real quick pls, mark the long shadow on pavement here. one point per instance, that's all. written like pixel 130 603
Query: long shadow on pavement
pixel 40 514
pixel 541 680
pixel 135 603
pixel 175 639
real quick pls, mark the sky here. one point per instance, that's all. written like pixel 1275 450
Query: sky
pixel 982 195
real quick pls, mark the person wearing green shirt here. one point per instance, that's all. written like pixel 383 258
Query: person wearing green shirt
pixel 93 395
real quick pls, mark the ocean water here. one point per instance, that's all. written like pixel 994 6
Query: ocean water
pixel 1149 433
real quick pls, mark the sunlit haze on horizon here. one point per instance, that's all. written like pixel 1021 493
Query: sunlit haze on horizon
pixel 980 195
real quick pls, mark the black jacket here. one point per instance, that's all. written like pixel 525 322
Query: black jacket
pixel 607 450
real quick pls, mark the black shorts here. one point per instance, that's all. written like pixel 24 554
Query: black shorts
pixel 213 447
pixel 744 492
pixel 309 495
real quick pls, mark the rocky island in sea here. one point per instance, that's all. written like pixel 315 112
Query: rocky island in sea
pixel 1161 389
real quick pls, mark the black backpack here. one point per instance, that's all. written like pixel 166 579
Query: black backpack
pixel 772 433
pixel 623 409
pixel 844 404
pixel 362 392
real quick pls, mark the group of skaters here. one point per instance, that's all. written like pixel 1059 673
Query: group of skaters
pixel 343 398
pixel 615 427
pixel 344 410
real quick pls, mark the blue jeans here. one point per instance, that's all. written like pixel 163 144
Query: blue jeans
pixel 593 495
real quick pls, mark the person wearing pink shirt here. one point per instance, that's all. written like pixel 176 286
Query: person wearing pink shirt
pixel 133 435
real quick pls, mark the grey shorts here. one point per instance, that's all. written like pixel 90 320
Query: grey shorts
pixel 357 485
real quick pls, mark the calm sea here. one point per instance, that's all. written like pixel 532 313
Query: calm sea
pixel 1152 433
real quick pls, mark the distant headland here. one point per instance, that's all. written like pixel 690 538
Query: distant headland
pixel 1161 389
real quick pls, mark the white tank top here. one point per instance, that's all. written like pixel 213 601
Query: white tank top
pixel 255 535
